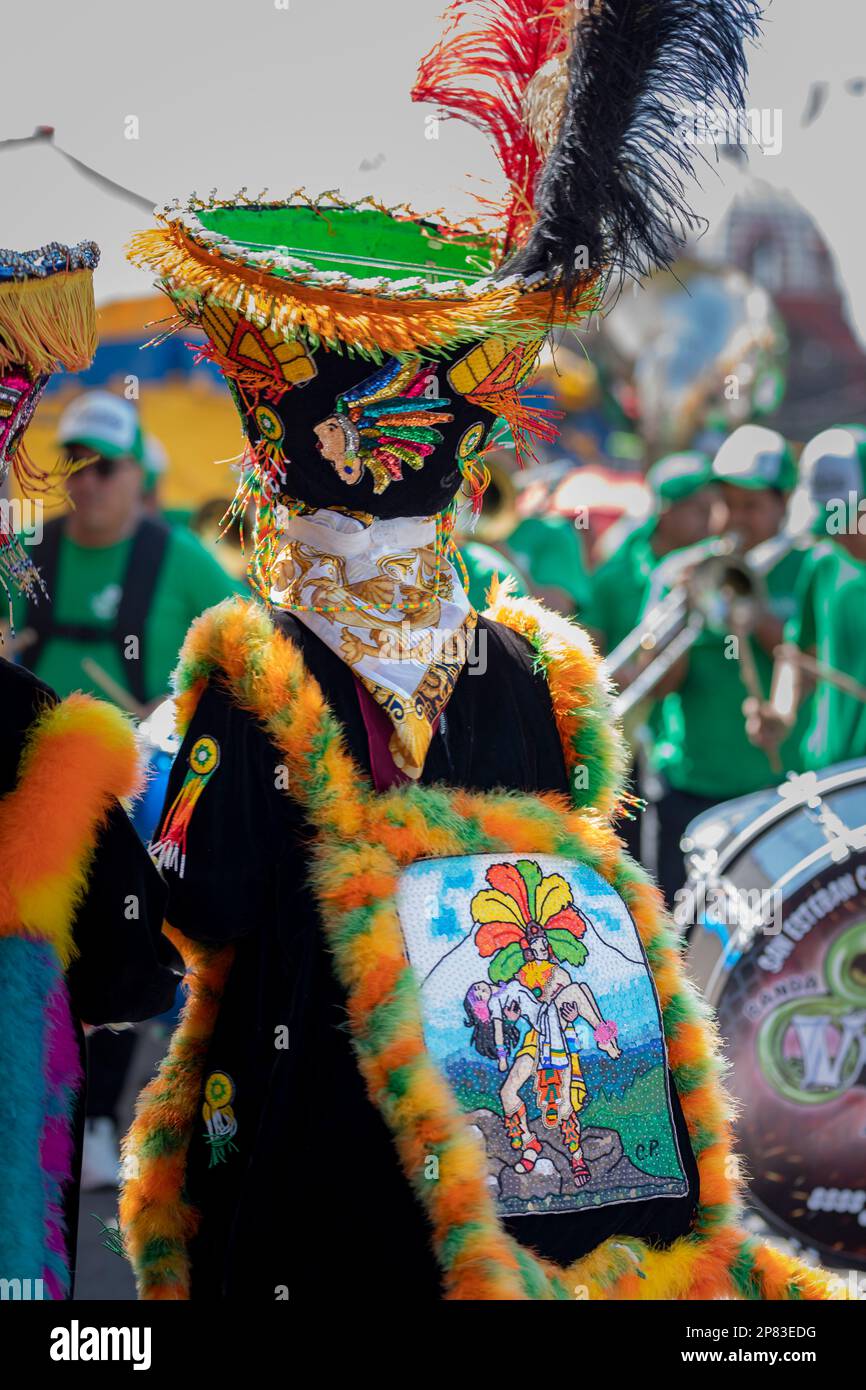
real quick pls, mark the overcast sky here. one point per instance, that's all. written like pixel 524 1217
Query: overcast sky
pixel 247 92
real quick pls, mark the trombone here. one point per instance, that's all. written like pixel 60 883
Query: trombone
pixel 718 592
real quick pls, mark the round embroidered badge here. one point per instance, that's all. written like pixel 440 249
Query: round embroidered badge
pixel 204 756
pixel 269 424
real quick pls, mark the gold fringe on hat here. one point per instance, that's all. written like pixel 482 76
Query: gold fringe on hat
pixel 48 322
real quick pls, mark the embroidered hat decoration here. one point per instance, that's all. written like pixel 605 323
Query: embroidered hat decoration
pixel 47 321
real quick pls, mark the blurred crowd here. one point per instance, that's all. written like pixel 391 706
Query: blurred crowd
pixel 725 586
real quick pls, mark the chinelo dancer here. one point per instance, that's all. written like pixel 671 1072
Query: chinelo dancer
pixel 364 754
pixel 80 904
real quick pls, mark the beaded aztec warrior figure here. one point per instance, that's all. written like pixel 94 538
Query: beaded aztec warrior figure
pixel 388 837
pixel 69 858
pixel 536 988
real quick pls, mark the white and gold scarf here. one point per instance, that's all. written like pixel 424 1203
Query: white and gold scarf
pixel 385 598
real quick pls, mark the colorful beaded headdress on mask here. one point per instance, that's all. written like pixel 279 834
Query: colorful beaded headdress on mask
pixel 47 321
pixel 370 349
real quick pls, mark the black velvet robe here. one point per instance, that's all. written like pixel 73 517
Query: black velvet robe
pixel 313 1203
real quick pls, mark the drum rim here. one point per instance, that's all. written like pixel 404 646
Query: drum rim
pixel 781 812
pixel 709 988
pixel 833 1258
pixel 714 987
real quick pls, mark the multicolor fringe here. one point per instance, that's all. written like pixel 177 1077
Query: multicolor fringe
pixel 47 320
pixel 169 850
pixel 363 842
pixel 79 757
pixel 371 325
pixel 18 574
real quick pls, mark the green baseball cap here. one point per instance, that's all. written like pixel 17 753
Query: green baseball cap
pixel 105 423
pixel 678 476
pixel 755 457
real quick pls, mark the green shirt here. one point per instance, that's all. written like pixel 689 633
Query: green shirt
pixel 483 565
pixel 702 746
pixel 88 590
pixel 618 588
pixel 551 552
pixel 831 618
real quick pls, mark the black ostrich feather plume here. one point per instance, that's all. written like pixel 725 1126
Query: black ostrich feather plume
pixel 612 194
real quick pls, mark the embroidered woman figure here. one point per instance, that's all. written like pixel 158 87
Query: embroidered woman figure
pixel 493 1031
pixel 493 1015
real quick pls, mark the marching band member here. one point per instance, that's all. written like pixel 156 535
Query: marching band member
pixel 703 753
pixel 682 499
pixel 829 624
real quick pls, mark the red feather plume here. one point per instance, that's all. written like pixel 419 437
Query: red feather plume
pixel 511 40
pixel 493 936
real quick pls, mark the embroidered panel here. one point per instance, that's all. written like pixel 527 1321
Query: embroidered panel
pixel 540 1009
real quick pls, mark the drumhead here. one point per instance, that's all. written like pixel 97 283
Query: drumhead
pixel 721 835
pixel 782 956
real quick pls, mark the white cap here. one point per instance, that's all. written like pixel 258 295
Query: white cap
pixel 830 465
pixel 755 457
pixel 103 422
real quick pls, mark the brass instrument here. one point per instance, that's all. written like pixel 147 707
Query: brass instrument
pixel 684 336
pixel 722 591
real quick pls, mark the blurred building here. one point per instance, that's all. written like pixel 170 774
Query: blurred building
pixel 771 237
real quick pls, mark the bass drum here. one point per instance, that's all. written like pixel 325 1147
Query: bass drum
pixel 777 885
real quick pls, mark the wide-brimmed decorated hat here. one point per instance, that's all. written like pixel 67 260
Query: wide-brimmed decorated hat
pixel 47 322
pixel 370 349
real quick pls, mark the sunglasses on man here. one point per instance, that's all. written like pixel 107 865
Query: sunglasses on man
pixel 102 467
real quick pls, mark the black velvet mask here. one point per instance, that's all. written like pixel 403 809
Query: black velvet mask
pixel 391 439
